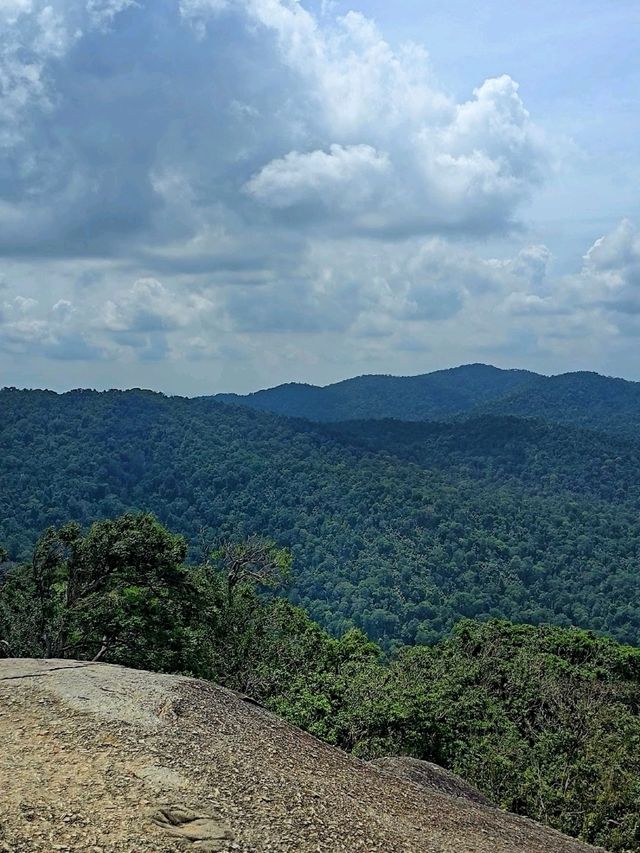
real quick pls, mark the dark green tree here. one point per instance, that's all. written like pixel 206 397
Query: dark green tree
pixel 120 592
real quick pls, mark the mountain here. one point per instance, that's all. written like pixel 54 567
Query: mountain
pixel 585 399
pixel 432 396
pixel 401 529
pixel 581 399
pixel 99 757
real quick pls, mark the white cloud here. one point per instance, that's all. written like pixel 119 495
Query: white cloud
pixel 617 252
pixel 344 179
pixel 33 34
pixel 601 300
pixel 465 166
pixel 372 289
pixel 357 302
pixel 11 10
pixel 532 265
pixel 611 272
pixel 53 39
pixel 150 307
pixel 141 321
pixel 103 12
pixel 283 173
pixel 524 304
pixel 28 328
pixel 270 123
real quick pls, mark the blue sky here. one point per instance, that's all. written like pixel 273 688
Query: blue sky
pixel 579 75
pixel 204 195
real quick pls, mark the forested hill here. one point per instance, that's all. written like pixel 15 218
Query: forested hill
pixel 401 529
pixel 585 399
pixel 540 720
pixel 432 396
pixel 526 454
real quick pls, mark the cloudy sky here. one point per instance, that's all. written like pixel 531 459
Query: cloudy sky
pixel 208 195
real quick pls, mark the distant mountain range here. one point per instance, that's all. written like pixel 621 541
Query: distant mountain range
pixel 399 527
pixel 582 398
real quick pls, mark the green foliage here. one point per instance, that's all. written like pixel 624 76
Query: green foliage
pixel 254 562
pixel 581 399
pixel 231 616
pixel 545 720
pixel 398 529
pixel 20 620
pixel 120 592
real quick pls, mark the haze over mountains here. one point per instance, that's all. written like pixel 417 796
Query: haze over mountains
pixel 582 398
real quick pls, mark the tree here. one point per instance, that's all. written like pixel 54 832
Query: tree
pixel 231 617
pixel 255 562
pixel 119 592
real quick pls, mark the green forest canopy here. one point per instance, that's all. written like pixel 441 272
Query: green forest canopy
pixel 581 398
pixel 400 529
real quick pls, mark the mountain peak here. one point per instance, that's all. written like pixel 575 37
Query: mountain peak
pixel 581 397
pixel 436 395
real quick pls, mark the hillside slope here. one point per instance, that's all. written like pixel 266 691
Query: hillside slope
pixel 400 529
pixel 582 398
pixel 430 396
pixel 102 758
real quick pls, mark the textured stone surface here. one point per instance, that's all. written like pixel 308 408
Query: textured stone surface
pixel 103 759
pixel 430 776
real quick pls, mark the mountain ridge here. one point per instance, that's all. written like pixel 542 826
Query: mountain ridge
pixel 420 397
pixel 584 398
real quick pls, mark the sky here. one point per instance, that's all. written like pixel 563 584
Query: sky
pixel 223 195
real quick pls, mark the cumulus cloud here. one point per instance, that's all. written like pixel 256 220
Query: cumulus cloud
pixel 149 307
pixel 263 109
pixel 607 286
pixel 344 179
pixel 599 302
pixel 371 288
pixel 266 170
pixel 136 321
pixel 527 304
pixel 448 166
pixel 26 328
pixel 151 322
pixel 29 38
pixel 373 304
pixel 610 276
pixel 616 252
pixel 532 265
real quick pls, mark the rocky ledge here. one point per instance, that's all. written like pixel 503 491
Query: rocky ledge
pixel 99 758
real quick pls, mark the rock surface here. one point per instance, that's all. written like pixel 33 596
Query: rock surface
pixel 430 776
pixel 99 759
